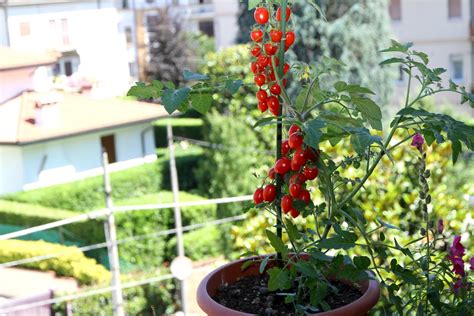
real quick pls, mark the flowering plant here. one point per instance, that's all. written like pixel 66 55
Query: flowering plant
pixel 309 183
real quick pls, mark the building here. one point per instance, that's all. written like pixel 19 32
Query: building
pixel 48 137
pixel 86 33
pixel 444 30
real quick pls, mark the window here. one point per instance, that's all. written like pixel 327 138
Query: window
pixel 454 8
pixel 25 29
pixel 207 27
pixel 108 145
pixel 65 30
pixel 457 68
pixel 395 10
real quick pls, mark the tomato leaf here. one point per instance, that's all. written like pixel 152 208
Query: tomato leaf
pixel 201 102
pixel 313 132
pixel 279 279
pixel 193 76
pixel 232 86
pixel 173 99
pixel 277 243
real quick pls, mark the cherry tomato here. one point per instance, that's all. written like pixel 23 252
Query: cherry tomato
pixel 256 51
pixel 273 105
pixel 262 106
pixel 305 196
pixel 277 61
pixel 284 82
pixel 262 95
pixel 297 178
pixel 294 213
pixel 272 76
pixel 295 141
pixel 285 148
pixel 260 80
pixel 282 166
pixel 261 15
pixel 300 157
pixel 310 172
pixel 288 13
pixel 263 61
pixel 312 154
pixel 276 35
pixel 254 67
pixel 269 193
pixel 256 35
pixel 295 189
pixel 258 196
pixel 289 38
pixel 286 67
pixel 270 49
pixel 272 173
pixel 294 166
pixel 275 89
pixel 286 203
pixel 294 129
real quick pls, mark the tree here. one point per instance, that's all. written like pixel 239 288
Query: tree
pixel 169 51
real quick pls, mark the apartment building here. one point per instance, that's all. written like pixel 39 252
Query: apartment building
pixel 442 28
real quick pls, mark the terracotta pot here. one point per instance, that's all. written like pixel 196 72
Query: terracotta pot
pixel 230 272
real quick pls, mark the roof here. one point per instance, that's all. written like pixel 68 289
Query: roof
pixel 77 114
pixel 14 59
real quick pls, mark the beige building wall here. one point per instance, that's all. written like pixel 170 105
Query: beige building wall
pixel 447 40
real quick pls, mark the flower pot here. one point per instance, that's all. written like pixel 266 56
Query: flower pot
pixel 231 272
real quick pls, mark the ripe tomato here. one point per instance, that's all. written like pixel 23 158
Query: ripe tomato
pixel 284 82
pixel 300 157
pixel 261 15
pixel 273 105
pixel 294 166
pixel 285 148
pixel 282 166
pixel 270 49
pixel 276 35
pixel 256 35
pixel 295 189
pixel 260 80
pixel 262 95
pixel 294 213
pixel 277 61
pixel 263 61
pixel 294 129
pixel 254 67
pixel 272 75
pixel 269 193
pixel 286 67
pixel 275 89
pixel 311 172
pixel 272 173
pixel 289 38
pixel 305 196
pixel 295 141
pixel 258 196
pixel 286 203
pixel 288 13
pixel 256 51
pixel 312 154
pixel 262 106
pixel 297 178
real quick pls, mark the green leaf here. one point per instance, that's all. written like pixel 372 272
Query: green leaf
pixel 387 224
pixel 423 56
pixel 340 86
pixel 277 243
pixel 146 92
pixel 369 110
pixel 253 4
pixel 361 139
pixel 292 231
pixel 394 60
pixel 172 99
pixel 246 264
pixel 201 102
pixel 318 255
pixel 337 242
pixel 307 269
pixel 232 86
pixel 265 121
pixel 263 264
pixel 361 262
pixel 193 76
pixel 313 133
pixel 398 47
pixel 279 279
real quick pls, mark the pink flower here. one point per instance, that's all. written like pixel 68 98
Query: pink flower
pixel 471 262
pixel 440 226
pixel 456 252
pixel 418 141
pixel 457 286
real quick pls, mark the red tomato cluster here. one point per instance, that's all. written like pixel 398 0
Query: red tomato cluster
pixel 265 45
pixel 296 167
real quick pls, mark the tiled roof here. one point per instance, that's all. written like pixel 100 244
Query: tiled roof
pixel 13 59
pixel 77 114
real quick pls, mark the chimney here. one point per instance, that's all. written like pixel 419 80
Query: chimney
pixel 47 112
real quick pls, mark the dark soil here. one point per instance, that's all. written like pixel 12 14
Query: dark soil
pixel 250 295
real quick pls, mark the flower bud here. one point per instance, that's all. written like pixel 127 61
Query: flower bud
pixel 440 226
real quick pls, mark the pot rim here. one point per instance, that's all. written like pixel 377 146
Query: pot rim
pixel 203 296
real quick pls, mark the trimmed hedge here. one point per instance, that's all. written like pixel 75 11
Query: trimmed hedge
pixel 184 127
pixel 199 244
pixel 71 263
pixel 87 194
pixel 152 252
pixel 187 163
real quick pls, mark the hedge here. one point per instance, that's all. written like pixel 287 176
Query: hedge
pixel 71 263
pixel 184 127
pixel 199 244
pixel 87 194
pixel 152 252
pixel 187 162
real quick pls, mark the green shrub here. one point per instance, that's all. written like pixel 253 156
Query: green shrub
pixel 187 161
pixel 87 194
pixel 71 263
pixel 152 252
pixel 199 244
pixel 28 215
pixel 184 127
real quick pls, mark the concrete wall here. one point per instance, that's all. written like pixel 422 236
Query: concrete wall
pixel 68 159
pixel 14 82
